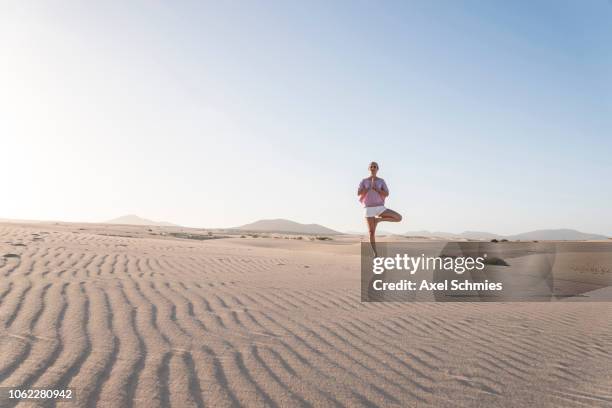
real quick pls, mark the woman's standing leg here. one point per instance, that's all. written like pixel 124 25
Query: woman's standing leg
pixel 371 221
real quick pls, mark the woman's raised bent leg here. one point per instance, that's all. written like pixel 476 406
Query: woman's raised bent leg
pixel 389 215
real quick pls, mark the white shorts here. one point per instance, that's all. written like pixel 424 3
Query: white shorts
pixel 374 211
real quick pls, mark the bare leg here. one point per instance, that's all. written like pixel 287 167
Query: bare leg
pixel 390 216
pixel 371 221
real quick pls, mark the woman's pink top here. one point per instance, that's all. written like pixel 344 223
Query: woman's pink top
pixel 371 198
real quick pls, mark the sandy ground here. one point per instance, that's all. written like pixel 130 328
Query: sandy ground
pixel 129 318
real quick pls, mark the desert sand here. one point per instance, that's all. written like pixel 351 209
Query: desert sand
pixel 129 317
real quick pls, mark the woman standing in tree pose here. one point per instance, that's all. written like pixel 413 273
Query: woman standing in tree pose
pixel 372 192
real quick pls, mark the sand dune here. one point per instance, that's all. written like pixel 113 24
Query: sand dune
pixel 128 318
pixel 281 225
pixel 132 219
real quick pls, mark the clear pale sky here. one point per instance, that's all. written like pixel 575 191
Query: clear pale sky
pixel 483 115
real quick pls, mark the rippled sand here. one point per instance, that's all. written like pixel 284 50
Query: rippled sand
pixel 130 318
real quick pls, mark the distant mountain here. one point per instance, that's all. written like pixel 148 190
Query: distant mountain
pixel 432 234
pixel 132 219
pixel 479 235
pixel 280 225
pixel 557 235
pixel 544 235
